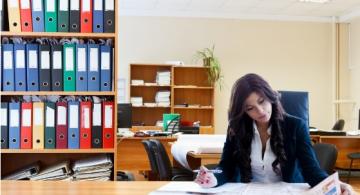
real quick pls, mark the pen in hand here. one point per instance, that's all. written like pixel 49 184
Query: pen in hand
pixel 209 171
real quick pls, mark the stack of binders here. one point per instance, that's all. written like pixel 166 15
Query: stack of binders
pixel 60 125
pixel 93 169
pixel 85 16
pixel 57 67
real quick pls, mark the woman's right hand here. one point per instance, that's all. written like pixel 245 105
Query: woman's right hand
pixel 205 178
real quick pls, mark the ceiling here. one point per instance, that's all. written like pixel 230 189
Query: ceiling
pixel 256 9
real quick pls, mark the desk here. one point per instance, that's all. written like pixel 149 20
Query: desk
pixel 86 187
pixel 131 154
pixel 344 144
pixel 78 188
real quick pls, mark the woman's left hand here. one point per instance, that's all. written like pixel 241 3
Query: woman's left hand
pixel 346 189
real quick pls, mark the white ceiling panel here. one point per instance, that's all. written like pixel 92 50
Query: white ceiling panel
pixel 242 8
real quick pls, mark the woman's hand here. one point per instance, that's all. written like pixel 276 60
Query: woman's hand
pixel 205 178
pixel 346 189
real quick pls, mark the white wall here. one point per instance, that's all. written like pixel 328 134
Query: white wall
pixel 290 55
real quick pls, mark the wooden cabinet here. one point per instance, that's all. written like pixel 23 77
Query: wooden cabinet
pixel 191 95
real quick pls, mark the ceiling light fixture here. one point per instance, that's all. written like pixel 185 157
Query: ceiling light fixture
pixel 315 1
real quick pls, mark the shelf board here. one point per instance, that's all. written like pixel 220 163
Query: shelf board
pixel 150 85
pixel 60 151
pixel 151 106
pixel 77 93
pixel 191 87
pixel 58 34
pixel 194 108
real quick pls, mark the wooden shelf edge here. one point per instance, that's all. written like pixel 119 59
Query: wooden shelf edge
pixel 150 85
pixel 77 93
pixel 193 108
pixel 190 87
pixel 45 151
pixel 58 34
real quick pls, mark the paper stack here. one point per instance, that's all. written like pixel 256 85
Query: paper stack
pixel 137 82
pixel 24 173
pixel 60 171
pixel 163 78
pixel 162 98
pixel 95 169
pixel 136 101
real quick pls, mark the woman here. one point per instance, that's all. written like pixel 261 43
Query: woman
pixel 264 144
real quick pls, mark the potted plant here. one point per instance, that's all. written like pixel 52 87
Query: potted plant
pixel 209 60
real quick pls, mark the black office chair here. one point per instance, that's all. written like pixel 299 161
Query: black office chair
pixel 326 155
pixel 352 157
pixel 165 170
pixel 339 125
pixel 296 103
pixel 152 158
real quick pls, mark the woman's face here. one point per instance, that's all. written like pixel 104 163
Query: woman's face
pixel 258 108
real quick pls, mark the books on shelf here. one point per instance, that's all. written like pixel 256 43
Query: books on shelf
pixel 162 98
pixel 137 82
pixel 94 168
pixel 163 78
pixel 136 101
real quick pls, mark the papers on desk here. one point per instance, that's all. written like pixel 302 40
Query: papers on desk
pixel 198 144
pixel 330 186
pixel 233 188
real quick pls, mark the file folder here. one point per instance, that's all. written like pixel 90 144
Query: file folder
pixel 98 16
pixel 63 16
pixel 74 16
pixel 38 125
pixel 20 69
pixel 8 67
pixel 109 16
pixel 50 125
pixel 25 16
pixel 50 16
pixel 108 124
pixel 81 68
pixel 85 125
pixel 86 16
pixel 69 67
pixel 106 67
pixel 4 125
pixel 26 125
pixel 14 16
pixel 96 131
pixel 93 70
pixel 14 125
pixel 73 127
pixel 32 61
pixel 38 21
pixel 57 68
pixel 4 14
pixel 44 70
pixel 61 125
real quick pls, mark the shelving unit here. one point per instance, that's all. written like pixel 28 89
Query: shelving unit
pixel 13 159
pixel 189 85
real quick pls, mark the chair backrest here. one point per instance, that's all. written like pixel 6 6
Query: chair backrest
pixel 339 125
pixel 296 103
pixel 326 155
pixel 162 160
pixel 148 145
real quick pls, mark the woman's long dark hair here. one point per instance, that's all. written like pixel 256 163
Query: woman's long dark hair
pixel 240 129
